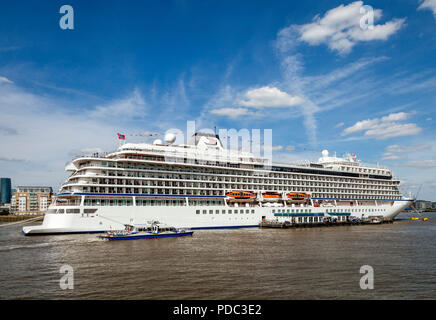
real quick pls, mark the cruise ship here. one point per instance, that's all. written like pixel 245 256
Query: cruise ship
pixel 202 185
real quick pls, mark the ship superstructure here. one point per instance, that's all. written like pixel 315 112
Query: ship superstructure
pixel 202 185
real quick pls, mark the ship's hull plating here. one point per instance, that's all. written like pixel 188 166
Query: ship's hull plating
pixel 114 218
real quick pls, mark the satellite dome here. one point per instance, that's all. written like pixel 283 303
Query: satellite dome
pixel 325 153
pixel 157 141
pixel 170 138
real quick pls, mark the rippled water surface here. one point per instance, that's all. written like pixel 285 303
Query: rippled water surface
pixel 313 263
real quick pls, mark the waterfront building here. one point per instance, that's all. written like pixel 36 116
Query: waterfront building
pixel 31 200
pixel 423 205
pixel 5 190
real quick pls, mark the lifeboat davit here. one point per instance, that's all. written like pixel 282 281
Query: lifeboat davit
pixel 271 196
pixel 297 196
pixel 241 195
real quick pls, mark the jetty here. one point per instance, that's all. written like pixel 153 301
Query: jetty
pixel 326 222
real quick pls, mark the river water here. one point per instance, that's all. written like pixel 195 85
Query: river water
pixel 312 263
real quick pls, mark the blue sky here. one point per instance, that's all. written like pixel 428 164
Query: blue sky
pixel 307 70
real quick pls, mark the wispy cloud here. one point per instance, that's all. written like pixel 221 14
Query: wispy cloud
pixel 133 105
pixel 386 127
pixel 5 159
pixel 233 113
pixel 428 5
pixel 44 132
pixel 421 164
pixel 5 80
pixel 397 152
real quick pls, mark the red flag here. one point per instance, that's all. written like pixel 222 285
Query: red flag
pixel 121 136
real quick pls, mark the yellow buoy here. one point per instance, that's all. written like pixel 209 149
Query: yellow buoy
pixel 414 218
pixel 424 219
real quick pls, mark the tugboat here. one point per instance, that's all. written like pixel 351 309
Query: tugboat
pixel 153 230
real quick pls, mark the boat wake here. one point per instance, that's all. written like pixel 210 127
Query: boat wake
pixel 29 246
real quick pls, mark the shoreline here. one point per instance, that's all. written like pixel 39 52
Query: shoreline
pixel 14 218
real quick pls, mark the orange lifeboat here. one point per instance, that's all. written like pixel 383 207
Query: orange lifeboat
pixel 241 194
pixel 271 195
pixel 298 196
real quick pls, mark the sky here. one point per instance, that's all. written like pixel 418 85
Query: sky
pixel 350 77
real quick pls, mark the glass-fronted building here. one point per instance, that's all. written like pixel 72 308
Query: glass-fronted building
pixel 5 190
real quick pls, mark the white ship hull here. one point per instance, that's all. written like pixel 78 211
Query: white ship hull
pixel 113 218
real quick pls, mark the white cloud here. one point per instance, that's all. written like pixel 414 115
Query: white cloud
pixel 391 130
pixel 361 126
pixel 407 149
pixel 421 164
pixel 5 80
pixel 428 4
pixel 231 112
pixel 390 156
pixel 397 152
pixel 268 97
pixel 386 127
pixel 340 28
pixel 132 106
pixel 399 116
pixel 339 125
pixel 254 99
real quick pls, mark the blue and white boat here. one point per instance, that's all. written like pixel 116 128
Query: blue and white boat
pixel 147 231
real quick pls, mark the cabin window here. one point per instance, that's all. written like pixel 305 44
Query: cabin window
pixel 223 211
pixel 204 211
pixel 252 211
pixel 197 211
pixel 230 211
